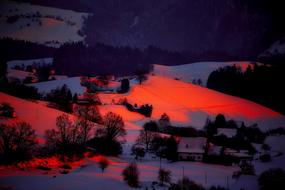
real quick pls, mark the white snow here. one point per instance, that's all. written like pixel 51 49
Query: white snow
pixel 185 103
pixel 38 115
pixel 73 84
pixel 195 71
pixel 190 105
pixel 17 74
pixel 50 26
pixel 30 62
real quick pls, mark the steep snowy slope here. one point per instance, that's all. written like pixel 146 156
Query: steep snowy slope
pixel 195 71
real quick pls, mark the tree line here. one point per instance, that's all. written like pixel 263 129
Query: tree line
pixel 99 59
pixel 258 83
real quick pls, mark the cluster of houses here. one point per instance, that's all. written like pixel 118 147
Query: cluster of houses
pixel 195 148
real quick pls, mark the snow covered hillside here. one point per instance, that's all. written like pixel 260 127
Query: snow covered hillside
pixel 73 83
pixel 30 62
pixel 195 71
pixel 37 114
pixel 44 25
pixel 185 103
pixel 189 104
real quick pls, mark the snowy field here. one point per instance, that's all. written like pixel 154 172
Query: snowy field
pixel 73 84
pixel 195 71
pixel 29 62
pixel 44 25
pixel 37 114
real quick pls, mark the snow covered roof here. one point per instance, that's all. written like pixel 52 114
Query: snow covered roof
pixel 228 132
pixel 192 145
pixel 214 149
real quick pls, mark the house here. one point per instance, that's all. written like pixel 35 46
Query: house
pixel 239 154
pixel 191 148
pixel 228 132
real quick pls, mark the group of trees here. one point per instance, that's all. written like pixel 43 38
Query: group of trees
pixel 16 88
pixel 17 142
pixel 77 59
pixel 88 112
pixel 251 133
pixel 7 110
pixel 62 97
pixel 144 109
pixel 109 135
pixel 259 83
pixel 69 138
pixel 149 140
pixel 12 49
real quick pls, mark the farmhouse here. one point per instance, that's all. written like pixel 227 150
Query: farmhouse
pixel 191 148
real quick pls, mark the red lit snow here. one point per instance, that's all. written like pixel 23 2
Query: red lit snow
pixel 189 104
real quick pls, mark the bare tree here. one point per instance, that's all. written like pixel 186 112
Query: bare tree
pixel 147 134
pixel 145 138
pixel 113 128
pixel 90 113
pixel 83 128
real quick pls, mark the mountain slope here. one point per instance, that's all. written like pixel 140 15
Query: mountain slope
pixel 189 104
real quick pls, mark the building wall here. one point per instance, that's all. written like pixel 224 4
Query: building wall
pixel 190 156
